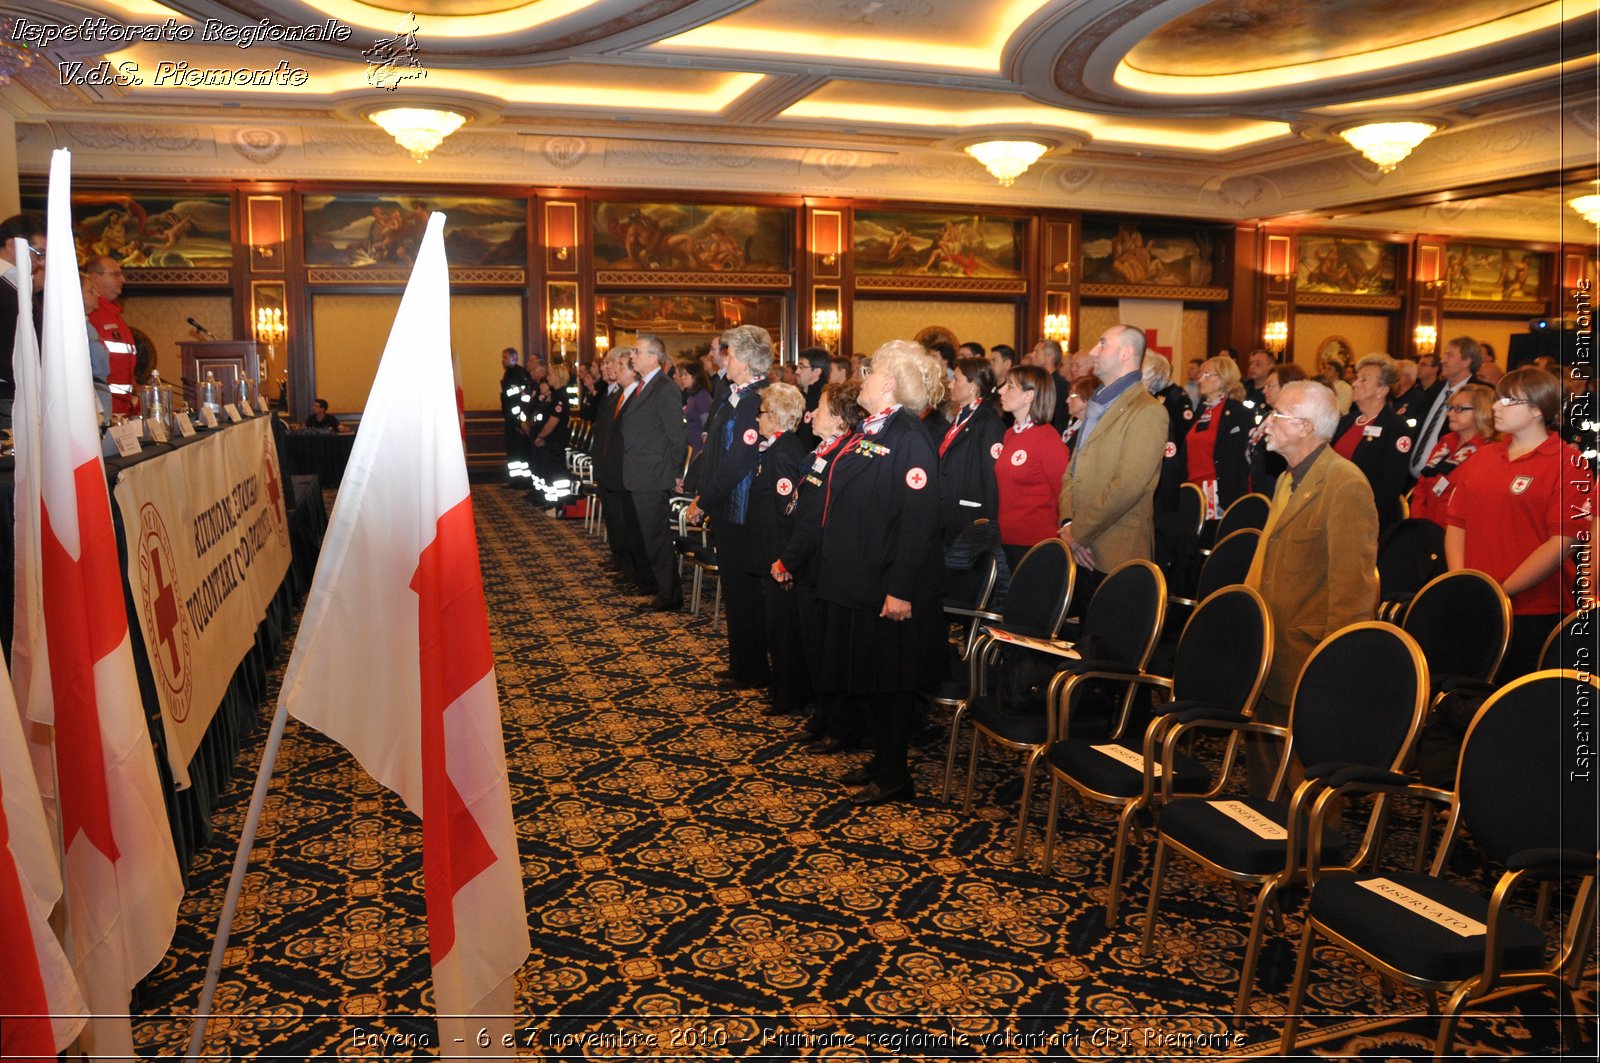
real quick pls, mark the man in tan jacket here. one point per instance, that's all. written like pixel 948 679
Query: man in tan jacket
pixel 1316 561
pixel 1108 495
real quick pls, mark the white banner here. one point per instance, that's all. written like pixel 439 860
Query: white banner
pixel 208 546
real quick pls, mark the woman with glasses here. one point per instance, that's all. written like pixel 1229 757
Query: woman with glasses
pixel 1031 462
pixel 1516 514
pixel 968 448
pixel 1469 423
pixel 1217 439
pixel 1376 438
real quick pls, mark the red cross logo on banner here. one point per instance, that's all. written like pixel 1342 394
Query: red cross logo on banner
pixel 163 612
pixel 1150 344
pixel 916 479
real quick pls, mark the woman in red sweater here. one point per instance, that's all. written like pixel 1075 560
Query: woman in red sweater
pixel 1031 464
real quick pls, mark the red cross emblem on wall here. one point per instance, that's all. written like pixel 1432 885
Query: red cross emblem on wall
pixel 1150 343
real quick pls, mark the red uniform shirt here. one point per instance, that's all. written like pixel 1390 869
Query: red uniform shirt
pixel 1028 472
pixel 1430 500
pixel 1201 446
pixel 1508 508
pixel 1345 445
pixel 106 319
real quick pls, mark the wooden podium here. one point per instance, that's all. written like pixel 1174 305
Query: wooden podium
pixel 229 361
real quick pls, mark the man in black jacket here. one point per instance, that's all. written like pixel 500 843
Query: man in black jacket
pixel 652 459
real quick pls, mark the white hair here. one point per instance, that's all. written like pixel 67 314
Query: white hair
pixel 1314 401
pixel 1156 373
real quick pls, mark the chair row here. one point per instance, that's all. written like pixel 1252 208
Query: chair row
pixel 1358 711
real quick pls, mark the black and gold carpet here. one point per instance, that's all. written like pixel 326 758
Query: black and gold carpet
pixel 698 888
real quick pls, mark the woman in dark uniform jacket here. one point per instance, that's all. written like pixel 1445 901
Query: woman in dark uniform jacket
pixel 1156 373
pixel 1376 438
pixel 967 450
pixel 727 467
pixel 836 423
pixel 778 471
pixel 1219 434
pixel 882 621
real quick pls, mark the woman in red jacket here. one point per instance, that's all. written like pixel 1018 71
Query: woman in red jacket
pixel 1031 464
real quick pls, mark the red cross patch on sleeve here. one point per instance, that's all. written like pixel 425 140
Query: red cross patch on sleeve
pixel 916 479
pixel 785 486
pixel 1403 444
pixel 750 437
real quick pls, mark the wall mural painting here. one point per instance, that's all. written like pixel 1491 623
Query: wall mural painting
pixel 358 231
pixel 149 232
pixel 1349 267
pixel 895 243
pixel 1492 274
pixel 669 315
pixel 1131 252
pixel 691 238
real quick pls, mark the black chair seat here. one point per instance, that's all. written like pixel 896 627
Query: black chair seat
pixel 1105 774
pixel 952 689
pixel 1417 944
pixel 1201 828
pixel 1022 728
pixel 1100 665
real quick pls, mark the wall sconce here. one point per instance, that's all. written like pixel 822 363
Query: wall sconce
pixel 270 327
pixel 563 329
pixel 826 328
pixel 1426 337
pixel 563 253
pixel 1275 337
pixel 1058 327
pixel 602 344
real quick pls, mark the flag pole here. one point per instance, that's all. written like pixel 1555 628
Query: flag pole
pixel 241 862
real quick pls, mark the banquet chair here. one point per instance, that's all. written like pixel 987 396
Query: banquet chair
pixel 1360 700
pixel 1222 661
pixel 1515 794
pixel 1036 606
pixel 1119 631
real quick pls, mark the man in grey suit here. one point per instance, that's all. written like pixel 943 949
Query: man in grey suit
pixel 652 460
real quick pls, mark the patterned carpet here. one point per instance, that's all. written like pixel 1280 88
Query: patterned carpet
pixel 698 889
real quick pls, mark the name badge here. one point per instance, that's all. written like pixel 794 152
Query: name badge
pixel 233 413
pixel 819 464
pixel 1372 431
pixel 1440 486
pixel 208 417
pixel 185 426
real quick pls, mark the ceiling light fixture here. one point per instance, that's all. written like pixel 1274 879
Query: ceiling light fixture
pixel 1007 160
pixel 418 129
pixel 1385 144
pixel 1588 206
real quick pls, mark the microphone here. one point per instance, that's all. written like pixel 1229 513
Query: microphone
pixel 200 328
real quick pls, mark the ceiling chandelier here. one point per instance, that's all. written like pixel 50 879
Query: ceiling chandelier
pixel 1385 144
pixel 1007 160
pixel 418 129
pixel 1588 206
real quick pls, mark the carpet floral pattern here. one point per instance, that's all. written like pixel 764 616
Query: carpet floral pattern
pixel 697 888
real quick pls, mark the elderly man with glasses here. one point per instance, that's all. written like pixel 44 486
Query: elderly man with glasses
pixel 1316 562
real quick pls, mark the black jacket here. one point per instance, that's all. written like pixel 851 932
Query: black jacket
pixel 652 428
pixel 729 457
pixel 1233 424
pixel 778 475
pixel 967 489
pixel 607 444
pixel 801 555
pixel 1174 460
pixel 1383 454
pixel 880 533
pixel 516 392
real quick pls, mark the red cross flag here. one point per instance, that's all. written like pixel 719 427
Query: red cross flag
pixel 393 661
pixel 121 875
pixel 40 997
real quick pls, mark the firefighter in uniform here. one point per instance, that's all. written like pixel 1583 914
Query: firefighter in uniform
pixel 516 391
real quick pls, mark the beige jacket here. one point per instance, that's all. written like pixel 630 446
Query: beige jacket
pixel 1109 490
pixel 1316 563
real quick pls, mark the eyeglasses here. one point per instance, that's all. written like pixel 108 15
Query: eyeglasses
pixel 1507 400
pixel 1206 372
pixel 1459 409
pixel 1277 416
pixel 34 251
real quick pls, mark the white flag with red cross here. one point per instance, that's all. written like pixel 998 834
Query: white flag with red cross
pixel 393 660
pixel 121 875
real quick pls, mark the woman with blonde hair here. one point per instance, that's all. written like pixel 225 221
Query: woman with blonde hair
pixel 882 563
pixel 1376 438
pixel 772 494
pixel 1216 441
pixel 1470 422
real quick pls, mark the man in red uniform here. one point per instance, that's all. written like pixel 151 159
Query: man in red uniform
pixel 105 276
